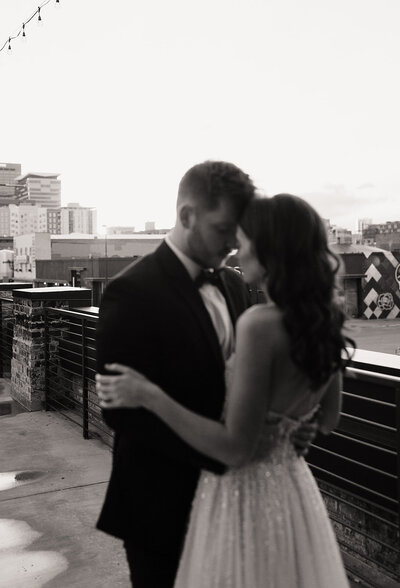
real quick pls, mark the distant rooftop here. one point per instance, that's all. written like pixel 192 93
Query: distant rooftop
pixel 130 236
pixel 32 175
pixel 355 248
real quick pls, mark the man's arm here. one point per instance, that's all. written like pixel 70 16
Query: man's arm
pixel 127 334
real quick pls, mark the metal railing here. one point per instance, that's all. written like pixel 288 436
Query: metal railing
pixel 361 459
pixel 7 321
pixel 357 465
pixel 71 369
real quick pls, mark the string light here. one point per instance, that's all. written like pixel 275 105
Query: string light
pixel 21 33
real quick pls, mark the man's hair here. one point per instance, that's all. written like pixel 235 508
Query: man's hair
pixel 210 182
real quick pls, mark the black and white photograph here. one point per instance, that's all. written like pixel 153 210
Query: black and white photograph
pixel 200 294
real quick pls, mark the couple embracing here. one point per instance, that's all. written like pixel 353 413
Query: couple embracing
pixel 213 401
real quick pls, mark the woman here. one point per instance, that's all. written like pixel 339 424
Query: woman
pixel 263 524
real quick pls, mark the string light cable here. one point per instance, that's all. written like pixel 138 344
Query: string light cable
pixel 21 32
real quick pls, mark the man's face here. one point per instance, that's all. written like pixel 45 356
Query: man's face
pixel 212 234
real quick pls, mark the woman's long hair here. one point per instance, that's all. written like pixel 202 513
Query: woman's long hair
pixel 290 241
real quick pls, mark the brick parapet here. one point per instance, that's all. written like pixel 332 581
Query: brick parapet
pixel 28 364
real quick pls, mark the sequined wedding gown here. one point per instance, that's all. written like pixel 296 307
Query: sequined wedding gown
pixel 263 525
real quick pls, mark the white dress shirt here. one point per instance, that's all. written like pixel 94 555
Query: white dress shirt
pixel 214 301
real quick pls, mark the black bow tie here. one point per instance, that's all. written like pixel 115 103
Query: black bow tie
pixel 207 276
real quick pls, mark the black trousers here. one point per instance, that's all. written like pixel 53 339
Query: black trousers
pixel 149 569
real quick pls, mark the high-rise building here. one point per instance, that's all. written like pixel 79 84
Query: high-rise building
pixel 8 174
pixel 4 221
pixel 24 219
pixel 75 218
pixel 41 189
pixel 54 221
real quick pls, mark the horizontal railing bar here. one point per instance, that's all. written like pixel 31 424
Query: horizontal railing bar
pixel 392 500
pixel 98 427
pixel 62 375
pixel 362 442
pixel 70 400
pixel 349 459
pixel 71 343
pixel 73 313
pixel 373 376
pixel 374 424
pixel 54 400
pixel 367 399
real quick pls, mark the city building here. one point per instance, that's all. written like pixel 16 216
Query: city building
pixel 27 249
pixel 383 235
pixel 6 264
pixel 364 223
pixel 93 246
pixel 24 219
pixel 42 189
pixel 7 242
pixel 8 175
pixel 54 221
pixel 371 281
pixel 4 221
pixel 75 218
pixel 341 236
pixel 149 226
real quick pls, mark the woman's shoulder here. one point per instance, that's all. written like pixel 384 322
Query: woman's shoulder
pixel 263 319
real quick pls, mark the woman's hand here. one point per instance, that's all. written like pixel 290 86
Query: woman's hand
pixel 128 389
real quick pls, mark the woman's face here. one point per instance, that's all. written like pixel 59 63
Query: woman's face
pixel 252 269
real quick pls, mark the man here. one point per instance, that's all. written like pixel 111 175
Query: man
pixel 161 319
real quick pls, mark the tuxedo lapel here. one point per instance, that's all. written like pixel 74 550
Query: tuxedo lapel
pixel 183 285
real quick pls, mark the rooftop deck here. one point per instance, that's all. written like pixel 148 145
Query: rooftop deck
pixel 357 466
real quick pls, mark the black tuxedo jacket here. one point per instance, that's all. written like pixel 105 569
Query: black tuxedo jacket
pixel 152 318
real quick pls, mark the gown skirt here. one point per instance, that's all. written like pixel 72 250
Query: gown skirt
pixel 263 525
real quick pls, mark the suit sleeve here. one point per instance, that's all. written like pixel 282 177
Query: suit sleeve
pixel 127 334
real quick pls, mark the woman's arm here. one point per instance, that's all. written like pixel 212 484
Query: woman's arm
pixel 331 404
pixel 231 442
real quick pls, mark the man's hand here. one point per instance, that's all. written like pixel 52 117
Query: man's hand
pixel 304 436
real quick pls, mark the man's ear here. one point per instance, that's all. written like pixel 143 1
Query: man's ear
pixel 186 214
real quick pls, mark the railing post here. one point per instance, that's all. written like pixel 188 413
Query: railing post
pixel 46 358
pixel 397 400
pixel 1 339
pixel 85 386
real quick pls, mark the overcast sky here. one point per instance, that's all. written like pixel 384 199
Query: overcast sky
pixel 122 97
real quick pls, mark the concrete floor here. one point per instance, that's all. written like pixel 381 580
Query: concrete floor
pixel 376 335
pixel 47 524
